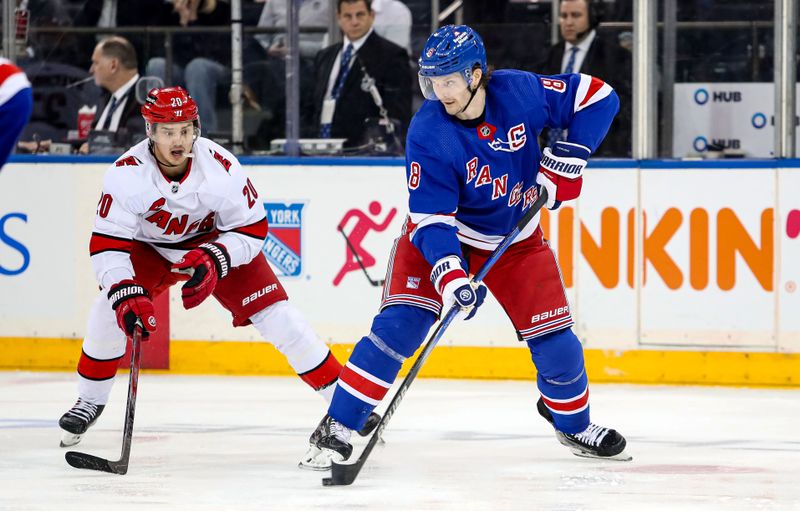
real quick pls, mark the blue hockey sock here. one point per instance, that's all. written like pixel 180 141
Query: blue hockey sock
pixel 397 332
pixel 562 379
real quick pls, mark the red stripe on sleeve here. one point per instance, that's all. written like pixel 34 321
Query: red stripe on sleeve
pixel 102 243
pixel 256 230
pixel 7 70
pixel 575 404
pixel 324 374
pixel 594 86
pixel 94 369
pixel 363 385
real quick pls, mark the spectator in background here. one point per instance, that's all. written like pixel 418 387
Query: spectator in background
pixel 341 106
pixel 16 104
pixel 265 66
pixel 111 14
pixel 393 22
pixel 198 58
pixel 115 69
pixel 584 50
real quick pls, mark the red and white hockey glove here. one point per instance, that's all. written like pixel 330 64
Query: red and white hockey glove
pixel 131 301
pixel 451 281
pixel 561 172
pixel 205 265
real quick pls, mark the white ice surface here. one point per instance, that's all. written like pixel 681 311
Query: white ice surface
pixel 233 443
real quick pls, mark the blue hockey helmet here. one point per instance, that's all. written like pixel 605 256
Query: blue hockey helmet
pixel 451 49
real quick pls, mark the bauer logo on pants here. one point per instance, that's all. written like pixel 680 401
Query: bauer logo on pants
pixel 283 246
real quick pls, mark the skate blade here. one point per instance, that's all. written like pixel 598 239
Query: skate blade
pixel 319 459
pixel 581 453
pixel 623 456
pixel 69 439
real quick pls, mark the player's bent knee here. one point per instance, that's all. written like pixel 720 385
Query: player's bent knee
pixel 558 356
pixel 283 325
pixel 402 328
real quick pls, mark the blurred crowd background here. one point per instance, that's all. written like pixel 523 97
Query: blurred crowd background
pixel 91 62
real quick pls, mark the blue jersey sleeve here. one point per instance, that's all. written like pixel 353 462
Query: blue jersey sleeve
pixel 433 186
pixel 580 103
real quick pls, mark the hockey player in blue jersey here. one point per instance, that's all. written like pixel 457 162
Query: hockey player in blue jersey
pixel 16 104
pixel 473 167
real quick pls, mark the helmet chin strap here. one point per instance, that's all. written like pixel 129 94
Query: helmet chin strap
pixel 471 97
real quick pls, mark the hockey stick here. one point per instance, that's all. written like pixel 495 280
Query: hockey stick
pixel 376 283
pixel 344 474
pixel 83 460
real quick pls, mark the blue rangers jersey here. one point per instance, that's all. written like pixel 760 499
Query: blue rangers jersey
pixel 470 181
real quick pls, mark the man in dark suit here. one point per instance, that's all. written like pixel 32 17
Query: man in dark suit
pixel 584 50
pixel 114 67
pixel 341 105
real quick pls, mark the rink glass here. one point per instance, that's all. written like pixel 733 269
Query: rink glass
pixel 726 43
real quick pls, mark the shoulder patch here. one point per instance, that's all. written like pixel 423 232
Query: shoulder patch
pixel 128 161
pixel 226 163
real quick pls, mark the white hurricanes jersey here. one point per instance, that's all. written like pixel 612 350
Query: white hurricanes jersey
pixel 214 200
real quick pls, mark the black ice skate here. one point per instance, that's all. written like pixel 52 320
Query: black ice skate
pixel 77 420
pixel 331 442
pixel 593 442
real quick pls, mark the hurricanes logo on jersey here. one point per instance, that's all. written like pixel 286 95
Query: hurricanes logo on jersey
pixel 176 225
pixel 516 140
pixel 226 163
pixel 128 161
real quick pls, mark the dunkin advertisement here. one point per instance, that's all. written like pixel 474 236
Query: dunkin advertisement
pixel 685 257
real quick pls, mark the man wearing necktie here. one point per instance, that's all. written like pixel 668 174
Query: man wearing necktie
pixel 585 50
pixel 114 67
pixel 109 113
pixel 341 103
pixel 344 70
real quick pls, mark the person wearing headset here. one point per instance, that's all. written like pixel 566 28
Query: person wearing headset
pixel 585 50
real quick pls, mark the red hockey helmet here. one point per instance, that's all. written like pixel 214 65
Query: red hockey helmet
pixel 171 104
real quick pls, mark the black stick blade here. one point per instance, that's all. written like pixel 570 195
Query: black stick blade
pixel 342 474
pixel 89 462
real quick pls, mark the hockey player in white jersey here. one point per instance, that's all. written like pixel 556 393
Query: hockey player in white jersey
pixel 179 207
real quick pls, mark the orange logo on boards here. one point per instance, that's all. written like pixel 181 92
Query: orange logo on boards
pixel 603 250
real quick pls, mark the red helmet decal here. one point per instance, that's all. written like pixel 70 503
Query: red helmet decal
pixel 172 104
